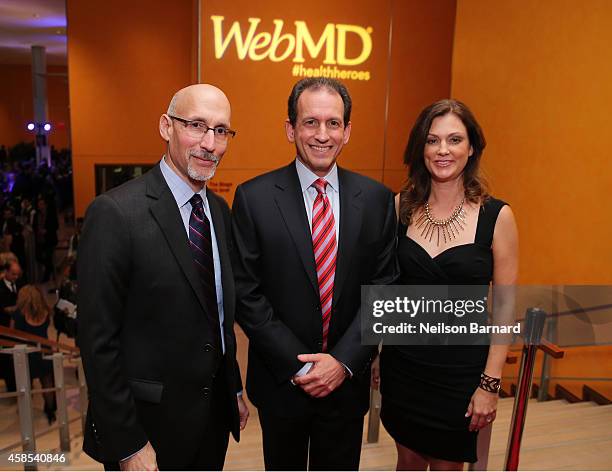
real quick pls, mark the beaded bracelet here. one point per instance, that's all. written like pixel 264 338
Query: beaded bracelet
pixel 489 384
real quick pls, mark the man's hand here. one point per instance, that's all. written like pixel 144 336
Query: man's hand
pixel 142 460
pixel 243 411
pixel 325 376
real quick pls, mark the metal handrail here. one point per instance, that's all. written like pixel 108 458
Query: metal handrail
pixel 551 349
pixel 14 334
pixel 37 435
pixel 24 393
pixel 533 341
pixel 576 311
pixel 12 446
pixel 9 395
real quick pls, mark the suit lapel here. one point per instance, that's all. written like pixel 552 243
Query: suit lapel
pixel 350 227
pixel 224 255
pixel 290 202
pixel 166 213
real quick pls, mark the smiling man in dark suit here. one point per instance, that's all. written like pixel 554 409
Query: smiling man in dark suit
pixel 308 236
pixel 156 304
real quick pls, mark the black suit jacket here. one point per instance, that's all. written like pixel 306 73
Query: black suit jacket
pixel 278 296
pixel 147 343
pixel 7 298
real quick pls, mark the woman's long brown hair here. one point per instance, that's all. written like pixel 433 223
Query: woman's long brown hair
pixel 32 305
pixel 415 191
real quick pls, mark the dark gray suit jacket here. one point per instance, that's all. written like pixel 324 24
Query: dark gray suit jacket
pixel 278 296
pixel 147 342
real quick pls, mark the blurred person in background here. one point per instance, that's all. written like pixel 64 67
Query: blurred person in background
pixel 10 282
pixel 45 233
pixel 32 316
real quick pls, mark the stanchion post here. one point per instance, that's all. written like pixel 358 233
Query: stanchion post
pixel 374 416
pixel 82 393
pixel 24 400
pixel 551 335
pixel 534 324
pixel 60 395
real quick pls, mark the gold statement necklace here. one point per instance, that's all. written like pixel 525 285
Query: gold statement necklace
pixel 448 228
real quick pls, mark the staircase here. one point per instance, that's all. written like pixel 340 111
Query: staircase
pixel 572 393
pixel 558 435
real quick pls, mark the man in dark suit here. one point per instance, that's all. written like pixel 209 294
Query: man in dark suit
pixel 307 236
pixel 156 304
pixel 12 230
pixel 9 287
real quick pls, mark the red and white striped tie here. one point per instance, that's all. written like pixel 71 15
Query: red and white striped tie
pixel 324 245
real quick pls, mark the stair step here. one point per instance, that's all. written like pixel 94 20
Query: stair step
pixel 549 429
pixel 572 412
pixel 533 401
pixel 579 455
pixel 593 394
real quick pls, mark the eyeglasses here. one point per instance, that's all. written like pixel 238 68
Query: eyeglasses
pixel 197 129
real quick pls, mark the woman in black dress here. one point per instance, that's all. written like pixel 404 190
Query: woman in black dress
pixel 32 316
pixel 451 232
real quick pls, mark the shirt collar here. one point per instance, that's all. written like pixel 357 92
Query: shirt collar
pixel 307 177
pixel 181 192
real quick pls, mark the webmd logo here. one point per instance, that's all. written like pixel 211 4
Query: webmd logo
pixel 278 46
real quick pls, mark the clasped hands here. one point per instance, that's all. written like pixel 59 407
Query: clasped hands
pixel 325 375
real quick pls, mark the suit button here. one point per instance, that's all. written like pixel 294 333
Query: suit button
pixel 320 344
pixel 206 392
pixel 208 347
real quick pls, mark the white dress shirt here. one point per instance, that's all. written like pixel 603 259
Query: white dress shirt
pixel 10 285
pixel 307 178
pixel 182 193
pixel 309 193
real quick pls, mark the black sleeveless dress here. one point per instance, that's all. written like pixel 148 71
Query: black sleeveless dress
pixel 426 390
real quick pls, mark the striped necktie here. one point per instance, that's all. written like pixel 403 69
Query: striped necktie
pixel 200 242
pixel 324 245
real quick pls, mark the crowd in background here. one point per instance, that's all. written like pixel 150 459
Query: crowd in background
pixel 31 198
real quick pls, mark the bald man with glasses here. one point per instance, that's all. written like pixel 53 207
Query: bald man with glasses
pixel 156 304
